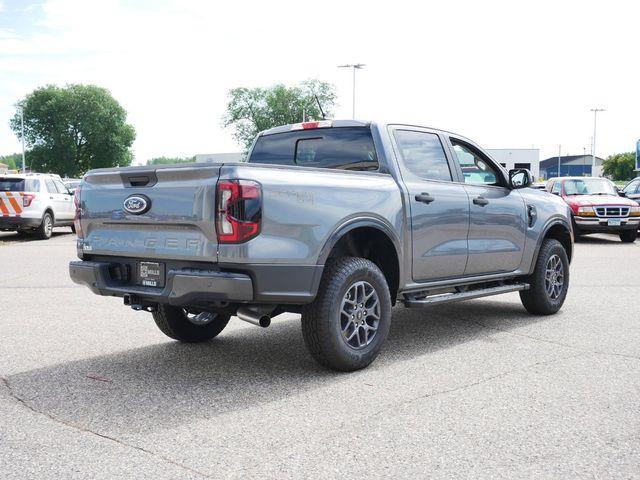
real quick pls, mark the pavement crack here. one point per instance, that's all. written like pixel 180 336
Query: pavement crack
pixel 553 342
pixel 79 428
pixel 467 386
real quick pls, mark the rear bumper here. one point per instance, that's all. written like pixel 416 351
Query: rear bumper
pixel 18 223
pixel 182 286
pixel 599 225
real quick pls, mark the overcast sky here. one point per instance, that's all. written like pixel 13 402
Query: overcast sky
pixel 509 74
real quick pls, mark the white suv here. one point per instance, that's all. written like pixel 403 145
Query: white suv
pixel 35 203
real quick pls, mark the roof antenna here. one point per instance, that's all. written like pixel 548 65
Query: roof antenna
pixel 324 117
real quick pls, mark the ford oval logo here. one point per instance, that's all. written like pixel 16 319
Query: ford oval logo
pixel 137 204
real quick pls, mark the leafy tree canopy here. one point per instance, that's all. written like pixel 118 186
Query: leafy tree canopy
pixel 73 129
pixel 13 161
pixel 620 166
pixel 251 110
pixel 170 160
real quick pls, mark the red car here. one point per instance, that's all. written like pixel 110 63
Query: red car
pixel 597 207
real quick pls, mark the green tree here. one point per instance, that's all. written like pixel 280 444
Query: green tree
pixel 73 129
pixel 13 161
pixel 251 110
pixel 170 160
pixel 620 166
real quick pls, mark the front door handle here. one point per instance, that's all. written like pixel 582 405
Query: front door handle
pixel 424 198
pixel 481 201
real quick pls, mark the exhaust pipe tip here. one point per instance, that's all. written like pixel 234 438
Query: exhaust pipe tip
pixel 260 319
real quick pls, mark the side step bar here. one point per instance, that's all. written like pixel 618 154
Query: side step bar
pixel 455 297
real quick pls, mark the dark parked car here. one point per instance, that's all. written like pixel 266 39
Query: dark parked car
pixel 632 190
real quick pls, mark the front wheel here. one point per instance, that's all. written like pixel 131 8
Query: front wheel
pixel 348 322
pixel 182 325
pixel 628 236
pixel 549 282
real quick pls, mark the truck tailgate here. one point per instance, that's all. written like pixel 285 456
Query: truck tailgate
pixel 178 222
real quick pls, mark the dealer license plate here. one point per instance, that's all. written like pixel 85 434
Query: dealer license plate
pixel 614 222
pixel 151 274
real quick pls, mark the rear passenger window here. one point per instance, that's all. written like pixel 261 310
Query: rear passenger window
pixel 423 154
pixel 51 187
pixel 557 188
pixel 346 148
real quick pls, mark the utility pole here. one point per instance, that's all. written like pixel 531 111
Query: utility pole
pixel 24 162
pixel 354 66
pixel 593 151
pixel 559 157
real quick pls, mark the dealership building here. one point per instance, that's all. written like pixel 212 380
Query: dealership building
pixel 510 158
pixel 571 166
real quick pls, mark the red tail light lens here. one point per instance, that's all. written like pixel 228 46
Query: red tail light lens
pixel 78 216
pixel 238 210
pixel 27 198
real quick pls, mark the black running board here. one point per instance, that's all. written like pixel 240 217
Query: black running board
pixel 456 297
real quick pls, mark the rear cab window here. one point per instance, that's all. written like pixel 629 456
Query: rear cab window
pixel 19 184
pixel 343 148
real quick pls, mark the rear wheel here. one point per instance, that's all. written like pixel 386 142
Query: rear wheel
pixel 629 236
pixel 187 326
pixel 549 282
pixel 44 231
pixel 347 324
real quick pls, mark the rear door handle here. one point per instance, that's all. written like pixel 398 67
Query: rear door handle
pixel 424 198
pixel 481 201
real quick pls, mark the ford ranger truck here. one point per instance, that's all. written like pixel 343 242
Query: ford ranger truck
pixel 335 220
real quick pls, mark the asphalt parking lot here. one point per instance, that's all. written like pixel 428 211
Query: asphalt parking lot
pixel 91 389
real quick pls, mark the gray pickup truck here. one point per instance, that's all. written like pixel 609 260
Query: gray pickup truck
pixel 336 220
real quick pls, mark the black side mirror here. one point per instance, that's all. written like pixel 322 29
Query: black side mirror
pixel 621 193
pixel 520 178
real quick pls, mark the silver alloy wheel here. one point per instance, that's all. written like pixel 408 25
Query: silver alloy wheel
pixel 360 315
pixel 554 277
pixel 201 318
pixel 48 225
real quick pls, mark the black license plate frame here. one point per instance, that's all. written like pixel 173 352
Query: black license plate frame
pixel 150 274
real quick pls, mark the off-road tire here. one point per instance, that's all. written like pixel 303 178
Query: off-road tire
pixel 173 322
pixel 628 236
pixel 45 230
pixel 537 300
pixel 321 320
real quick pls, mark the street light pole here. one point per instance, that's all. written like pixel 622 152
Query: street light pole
pixel 354 66
pixel 593 145
pixel 24 162
pixel 559 157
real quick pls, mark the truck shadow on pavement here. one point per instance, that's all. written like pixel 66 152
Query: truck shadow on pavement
pixel 15 237
pixel 601 239
pixel 170 383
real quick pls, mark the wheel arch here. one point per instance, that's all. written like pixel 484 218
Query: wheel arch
pixel 559 230
pixel 370 238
